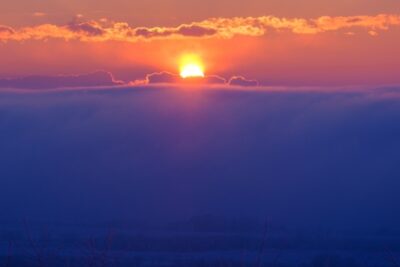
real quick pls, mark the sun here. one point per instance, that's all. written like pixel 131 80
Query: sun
pixel 191 70
pixel 191 67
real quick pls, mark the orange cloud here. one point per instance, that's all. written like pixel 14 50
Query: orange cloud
pixel 98 31
pixel 6 32
pixel 39 14
pixel 171 78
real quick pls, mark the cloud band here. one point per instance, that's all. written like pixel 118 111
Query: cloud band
pixel 98 31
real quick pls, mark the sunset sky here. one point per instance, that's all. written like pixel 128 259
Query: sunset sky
pixel 306 42
pixel 200 132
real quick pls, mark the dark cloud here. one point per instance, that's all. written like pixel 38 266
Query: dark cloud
pixel 104 78
pixel 241 81
pixel 99 78
pixel 162 77
pixel 143 32
pixel 183 30
pixel 91 28
pixel 152 32
pixel 214 79
pixel 196 31
pixel 171 78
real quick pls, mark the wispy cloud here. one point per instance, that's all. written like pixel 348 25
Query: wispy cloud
pixel 6 31
pixel 103 30
pixel 39 14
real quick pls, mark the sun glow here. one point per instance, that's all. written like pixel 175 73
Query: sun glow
pixel 191 67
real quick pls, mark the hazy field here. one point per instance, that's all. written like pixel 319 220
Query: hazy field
pixel 191 244
pixel 321 164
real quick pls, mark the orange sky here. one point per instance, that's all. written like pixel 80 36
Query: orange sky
pixel 275 42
